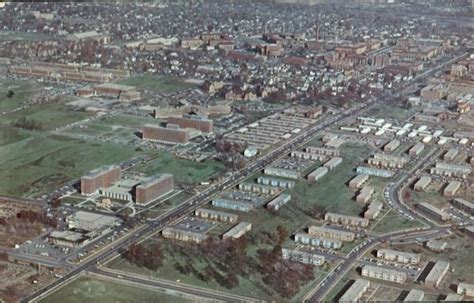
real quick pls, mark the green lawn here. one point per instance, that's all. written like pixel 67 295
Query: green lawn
pixel 184 171
pixel 89 289
pixel 393 221
pixel 38 164
pixel 159 83
pixel 390 112
pixel 10 135
pixel 22 90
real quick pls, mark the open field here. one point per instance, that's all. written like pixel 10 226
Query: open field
pixel 390 112
pixel 89 289
pixel 158 83
pixel 39 164
pixel 22 90
pixel 391 221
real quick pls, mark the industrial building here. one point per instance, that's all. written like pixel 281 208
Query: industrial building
pixel 302 257
pixel 422 183
pixel 433 211
pixel 365 194
pixel 276 182
pixel 199 122
pixel 391 146
pixel 373 210
pixel 331 233
pixel 154 188
pixel 398 256
pixel 237 231
pixel 465 289
pixel 346 220
pixel 216 215
pixel 173 135
pixel 414 295
pixel 189 229
pixel 371 171
pixel 355 292
pixel 333 163
pixel 358 180
pixel 437 273
pixel 464 205
pixel 318 173
pixel 279 201
pixel 386 274
pixel 304 238
pixel 452 189
pixel 100 177
pixel 233 204
pixel 416 150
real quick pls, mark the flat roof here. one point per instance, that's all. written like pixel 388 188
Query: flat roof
pixel 437 270
pixel 154 179
pixel 101 170
pixel 355 290
pixel 195 225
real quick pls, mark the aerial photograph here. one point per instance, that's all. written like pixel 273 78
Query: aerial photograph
pixel 237 151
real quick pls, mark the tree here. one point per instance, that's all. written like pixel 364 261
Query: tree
pixel 10 94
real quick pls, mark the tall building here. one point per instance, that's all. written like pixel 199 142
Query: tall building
pixel 174 135
pixel 201 123
pixel 99 178
pixel 153 188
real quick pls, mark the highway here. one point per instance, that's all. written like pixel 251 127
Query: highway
pixel 204 197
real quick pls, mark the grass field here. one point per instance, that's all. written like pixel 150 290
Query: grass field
pixel 88 289
pixel 22 90
pixel 184 171
pixel 390 112
pixel 38 164
pixel 158 83
pixel 392 221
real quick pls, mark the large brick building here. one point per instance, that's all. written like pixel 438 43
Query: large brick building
pixel 154 188
pixel 201 123
pixel 101 177
pixel 165 134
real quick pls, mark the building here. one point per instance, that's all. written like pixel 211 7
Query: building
pixel 451 154
pixel 281 172
pixel 387 161
pixel 346 220
pixel 414 295
pixel 306 239
pixel 371 171
pixel 318 173
pixel 452 188
pixel 99 178
pixel 365 194
pixel 276 182
pixel 323 151
pixel 279 201
pixel 373 210
pixel 302 257
pixel 89 36
pixel 90 225
pixel 464 205
pixel 199 122
pixel 174 135
pixel 237 231
pixel 188 230
pixel 398 256
pixel 386 274
pixel 422 183
pixel 433 211
pixel 416 150
pixel 333 163
pixel 233 204
pixel 452 298
pixel 68 238
pixel 469 230
pixel 154 188
pixel 465 289
pixel 391 146
pixel 358 180
pixel 355 292
pixel 308 156
pixel 451 170
pixel 334 143
pixel 216 215
pixel 437 245
pixel 121 92
pixel 258 188
pixel 437 273
pixel 331 233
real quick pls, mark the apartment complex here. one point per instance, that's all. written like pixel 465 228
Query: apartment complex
pixel 422 183
pixel 237 231
pixel 373 210
pixel 437 273
pixel 358 181
pixel 302 257
pixel 173 135
pixel 99 178
pixel 189 229
pixel 153 188
pixel 306 239
pixel 198 122
pixel 279 201
pixel 331 233
pixel 216 215
pixel 346 220
pixel 398 256
pixel 386 274
pixel 464 205
pixel 433 211
pixel 355 292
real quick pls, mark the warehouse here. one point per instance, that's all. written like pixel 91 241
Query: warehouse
pixel 373 210
pixel 237 231
pixel 464 205
pixel 356 291
pixel 416 150
pixel 346 220
pixel 302 257
pixel 391 146
pixel 385 274
pixel 414 295
pixel 437 273
pixel 333 163
pixel 318 173
pixel 216 215
pixel 452 188
pixel 365 194
pixel 358 180
pixel 465 289
pixel 331 233
pixel 422 183
pixel 433 211
pixel 304 238
pixel 398 256
pixel 279 201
